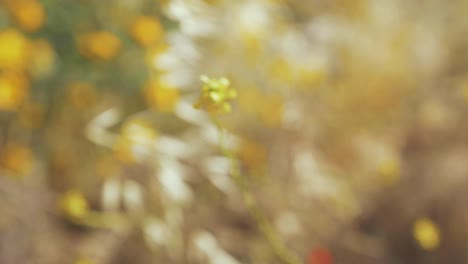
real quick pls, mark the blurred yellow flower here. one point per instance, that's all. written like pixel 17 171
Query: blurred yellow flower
pixel 28 14
pixel 463 89
pixel 13 91
pixel 281 70
pixel 14 50
pixel 253 46
pixel 311 78
pixel 31 115
pixel 389 170
pixel 137 138
pixel 17 158
pixel 216 95
pixel 301 76
pixel 84 261
pixel 146 30
pixel 81 95
pixel 426 233
pixel 99 45
pixel 160 96
pixel 42 58
pixel 73 204
pixel 153 53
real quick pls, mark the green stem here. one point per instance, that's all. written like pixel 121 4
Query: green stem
pixel 251 203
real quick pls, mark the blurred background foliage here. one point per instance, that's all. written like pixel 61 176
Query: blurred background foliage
pixel 346 118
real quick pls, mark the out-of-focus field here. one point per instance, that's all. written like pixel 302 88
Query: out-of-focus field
pixel 233 131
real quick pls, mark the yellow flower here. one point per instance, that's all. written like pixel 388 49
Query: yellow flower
pixel 13 91
pixel 84 261
pixel 311 78
pixel 146 30
pixel 281 70
pixel 161 96
pixel 426 234
pixel 17 158
pixel 28 14
pixel 99 45
pixel 153 53
pixel 216 95
pixel 463 87
pixel 81 95
pixel 253 46
pixel 42 58
pixel 14 50
pixel 390 171
pixel 73 204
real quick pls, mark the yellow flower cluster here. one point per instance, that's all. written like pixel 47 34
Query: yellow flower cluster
pixel 29 15
pixel 42 59
pixel 13 91
pixel 99 45
pixel 14 50
pixel 84 261
pixel 73 204
pixel 426 233
pixel 161 96
pixel 389 171
pixel 17 158
pixel 146 30
pixel 216 95
pixel 21 59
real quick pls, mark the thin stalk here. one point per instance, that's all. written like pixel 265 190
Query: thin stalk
pixel 265 226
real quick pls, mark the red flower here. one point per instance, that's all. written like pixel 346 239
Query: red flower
pixel 320 256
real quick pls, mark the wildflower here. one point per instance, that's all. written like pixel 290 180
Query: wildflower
pixel 216 94
pixel 28 14
pixel 13 91
pixel 14 50
pixel 73 204
pixel 42 58
pixel 463 87
pixel 146 30
pixel 99 45
pixel 389 170
pixel 426 234
pixel 17 158
pixel 84 261
pixel 154 53
pixel 320 256
pixel 281 70
pixel 161 96
pixel 310 78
